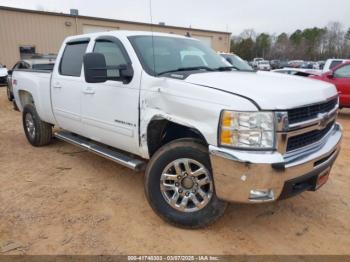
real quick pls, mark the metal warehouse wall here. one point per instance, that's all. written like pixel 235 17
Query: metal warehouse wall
pixel 46 31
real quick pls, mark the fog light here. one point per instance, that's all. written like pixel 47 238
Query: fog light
pixel 261 195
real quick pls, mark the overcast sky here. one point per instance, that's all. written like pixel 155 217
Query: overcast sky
pixel 271 16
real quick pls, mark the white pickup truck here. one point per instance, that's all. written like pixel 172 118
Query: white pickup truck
pixel 205 133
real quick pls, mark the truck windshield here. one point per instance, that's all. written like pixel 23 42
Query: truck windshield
pixel 237 62
pixel 162 54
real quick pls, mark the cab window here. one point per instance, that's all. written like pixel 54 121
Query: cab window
pixel 114 56
pixel 72 59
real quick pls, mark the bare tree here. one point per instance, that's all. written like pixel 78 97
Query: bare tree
pixel 334 39
pixel 248 33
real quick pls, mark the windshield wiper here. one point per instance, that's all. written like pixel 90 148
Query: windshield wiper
pixel 187 69
pixel 227 68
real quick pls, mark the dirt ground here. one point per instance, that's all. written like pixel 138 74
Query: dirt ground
pixel 62 200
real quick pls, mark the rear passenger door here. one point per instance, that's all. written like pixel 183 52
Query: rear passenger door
pixel 66 86
pixel 110 110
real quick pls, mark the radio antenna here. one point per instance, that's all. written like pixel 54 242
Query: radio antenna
pixel 153 54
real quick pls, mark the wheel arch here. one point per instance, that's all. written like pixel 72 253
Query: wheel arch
pixel 25 97
pixel 161 131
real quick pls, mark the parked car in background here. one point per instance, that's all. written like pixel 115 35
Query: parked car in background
pixel 264 65
pixel 320 64
pixel 237 62
pixel 45 64
pixel 3 75
pixel 275 64
pixel 256 61
pixel 340 77
pixel 332 63
pixel 297 71
pixel 307 65
pixel 295 63
pixel 283 63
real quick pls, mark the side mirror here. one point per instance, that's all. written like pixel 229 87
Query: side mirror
pixel 126 73
pixel 95 68
pixel 330 75
pixel 9 72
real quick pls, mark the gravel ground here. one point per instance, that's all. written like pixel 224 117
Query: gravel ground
pixel 62 200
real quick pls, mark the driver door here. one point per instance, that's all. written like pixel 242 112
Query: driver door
pixel 110 110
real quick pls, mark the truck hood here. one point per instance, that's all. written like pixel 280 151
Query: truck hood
pixel 271 91
pixel 3 72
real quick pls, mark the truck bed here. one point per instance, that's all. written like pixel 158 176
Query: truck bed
pixel 37 83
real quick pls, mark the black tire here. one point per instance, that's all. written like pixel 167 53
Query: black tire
pixel 9 95
pixel 178 149
pixel 42 134
pixel 15 107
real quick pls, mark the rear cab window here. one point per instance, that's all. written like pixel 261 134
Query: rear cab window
pixel 46 67
pixel 72 58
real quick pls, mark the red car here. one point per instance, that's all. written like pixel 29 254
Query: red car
pixel 340 77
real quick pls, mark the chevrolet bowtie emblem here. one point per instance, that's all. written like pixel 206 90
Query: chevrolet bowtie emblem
pixel 324 119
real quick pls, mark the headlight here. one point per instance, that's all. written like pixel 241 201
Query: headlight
pixel 247 130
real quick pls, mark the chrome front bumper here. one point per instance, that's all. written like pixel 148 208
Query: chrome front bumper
pixel 241 176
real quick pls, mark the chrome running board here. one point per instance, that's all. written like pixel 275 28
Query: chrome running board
pixel 102 150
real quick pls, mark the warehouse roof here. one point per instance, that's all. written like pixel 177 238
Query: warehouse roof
pixel 106 19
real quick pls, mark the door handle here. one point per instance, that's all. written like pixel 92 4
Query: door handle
pixel 89 90
pixel 57 85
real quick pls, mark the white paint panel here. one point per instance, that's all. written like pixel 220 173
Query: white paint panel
pixel 95 29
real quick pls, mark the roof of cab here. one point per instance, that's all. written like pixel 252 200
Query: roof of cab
pixel 122 33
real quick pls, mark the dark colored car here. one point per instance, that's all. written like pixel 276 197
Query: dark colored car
pixel 307 65
pixel 275 64
pixel 283 63
pixel 3 75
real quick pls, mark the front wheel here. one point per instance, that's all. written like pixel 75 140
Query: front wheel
pixel 179 185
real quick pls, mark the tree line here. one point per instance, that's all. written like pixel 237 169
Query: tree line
pixel 312 44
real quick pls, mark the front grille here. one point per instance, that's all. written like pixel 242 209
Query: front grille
pixel 301 114
pixel 308 138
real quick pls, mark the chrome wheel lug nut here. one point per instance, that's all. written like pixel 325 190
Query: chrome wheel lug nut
pixel 179 177
pixel 187 193
pixel 180 191
pixel 176 184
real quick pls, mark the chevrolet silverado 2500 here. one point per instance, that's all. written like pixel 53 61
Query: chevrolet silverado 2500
pixel 205 133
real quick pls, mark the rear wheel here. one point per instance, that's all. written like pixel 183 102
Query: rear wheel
pixel 38 133
pixel 15 107
pixel 9 94
pixel 179 185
